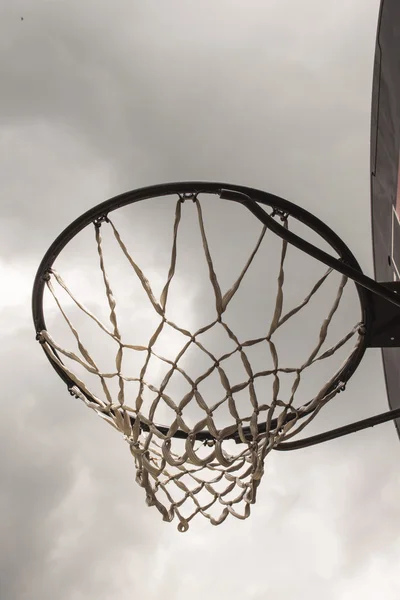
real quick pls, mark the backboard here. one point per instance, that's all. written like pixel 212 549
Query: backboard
pixel 385 173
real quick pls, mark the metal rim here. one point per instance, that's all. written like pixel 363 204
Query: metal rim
pixel 224 191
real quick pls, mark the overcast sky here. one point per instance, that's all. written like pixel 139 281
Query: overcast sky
pixel 101 97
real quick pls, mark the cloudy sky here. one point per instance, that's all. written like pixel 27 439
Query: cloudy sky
pixel 102 97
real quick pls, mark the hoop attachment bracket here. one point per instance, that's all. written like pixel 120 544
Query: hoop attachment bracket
pixel 385 326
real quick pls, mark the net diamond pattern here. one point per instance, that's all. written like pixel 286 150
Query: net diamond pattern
pixel 187 476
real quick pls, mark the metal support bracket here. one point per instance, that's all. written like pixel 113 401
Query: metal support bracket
pixel 386 319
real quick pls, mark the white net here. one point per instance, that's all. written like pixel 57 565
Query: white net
pixel 202 471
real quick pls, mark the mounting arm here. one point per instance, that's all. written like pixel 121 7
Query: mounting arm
pixel 340 431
